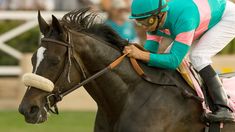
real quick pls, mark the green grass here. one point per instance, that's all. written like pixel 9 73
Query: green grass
pixel 11 121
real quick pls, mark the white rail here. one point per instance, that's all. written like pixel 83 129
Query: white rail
pixel 30 18
pixel 10 70
pixel 28 15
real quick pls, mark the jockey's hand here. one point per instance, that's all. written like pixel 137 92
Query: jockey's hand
pixel 136 53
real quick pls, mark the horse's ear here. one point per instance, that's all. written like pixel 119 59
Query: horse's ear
pixel 56 25
pixel 44 27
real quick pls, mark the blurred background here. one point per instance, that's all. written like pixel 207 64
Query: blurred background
pixel 19 36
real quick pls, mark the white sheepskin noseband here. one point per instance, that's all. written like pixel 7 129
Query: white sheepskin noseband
pixel 37 81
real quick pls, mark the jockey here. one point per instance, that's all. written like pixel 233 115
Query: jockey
pixel 201 28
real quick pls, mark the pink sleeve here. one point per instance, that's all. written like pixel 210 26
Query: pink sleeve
pixel 154 38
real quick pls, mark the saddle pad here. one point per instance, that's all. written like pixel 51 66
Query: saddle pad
pixel 229 85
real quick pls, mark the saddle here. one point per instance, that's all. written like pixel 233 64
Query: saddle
pixel 166 77
pixel 186 73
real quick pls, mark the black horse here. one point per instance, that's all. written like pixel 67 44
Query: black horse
pixel 77 47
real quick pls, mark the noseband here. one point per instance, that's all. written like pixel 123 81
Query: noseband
pixel 55 96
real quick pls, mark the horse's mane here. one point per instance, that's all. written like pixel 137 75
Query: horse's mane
pixel 84 20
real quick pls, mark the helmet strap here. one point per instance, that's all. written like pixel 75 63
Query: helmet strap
pixel 159 18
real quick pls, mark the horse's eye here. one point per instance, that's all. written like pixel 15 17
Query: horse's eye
pixel 54 60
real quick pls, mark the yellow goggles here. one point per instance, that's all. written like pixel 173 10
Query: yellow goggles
pixel 146 22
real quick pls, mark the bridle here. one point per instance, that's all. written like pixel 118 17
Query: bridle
pixel 57 95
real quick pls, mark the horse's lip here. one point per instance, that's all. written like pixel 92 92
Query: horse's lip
pixel 36 120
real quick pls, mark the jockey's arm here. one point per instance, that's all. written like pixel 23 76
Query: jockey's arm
pixel 152 42
pixel 179 50
pixel 170 60
pixel 182 32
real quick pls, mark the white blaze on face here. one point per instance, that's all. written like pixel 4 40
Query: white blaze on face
pixel 40 57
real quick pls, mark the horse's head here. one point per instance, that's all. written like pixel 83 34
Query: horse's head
pixel 64 59
pixel 51 65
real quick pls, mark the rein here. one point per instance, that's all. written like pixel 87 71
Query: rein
pixel 109 67
pixel 58 95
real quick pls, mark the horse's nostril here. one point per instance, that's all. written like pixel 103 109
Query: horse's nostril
pixel 34 110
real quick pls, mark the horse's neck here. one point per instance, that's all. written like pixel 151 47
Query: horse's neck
pixel 111 89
